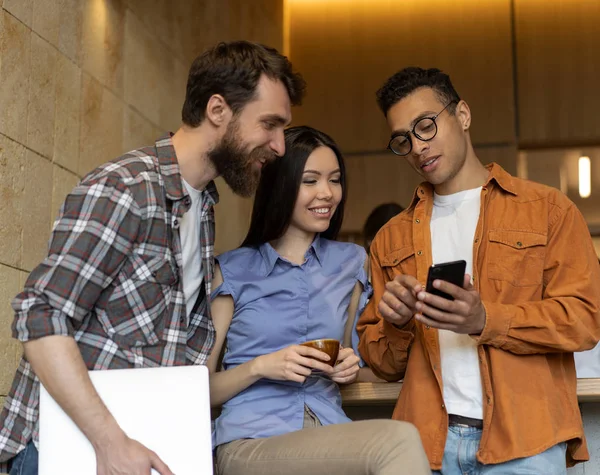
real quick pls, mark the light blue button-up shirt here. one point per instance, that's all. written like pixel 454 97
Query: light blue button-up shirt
pixel 278 304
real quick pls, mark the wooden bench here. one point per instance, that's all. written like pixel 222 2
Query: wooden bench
pixel 371 394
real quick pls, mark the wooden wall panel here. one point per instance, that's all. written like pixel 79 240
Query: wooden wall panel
pixel 558 65
pixel 506 157
pixel 345 50
pixel 374 180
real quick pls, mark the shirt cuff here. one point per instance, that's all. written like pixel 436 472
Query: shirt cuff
pixel 40 323
pixel 400 338
pixel 496 326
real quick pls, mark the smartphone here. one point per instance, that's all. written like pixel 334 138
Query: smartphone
pixel 453 272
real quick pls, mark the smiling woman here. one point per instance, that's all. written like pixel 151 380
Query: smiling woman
pixel 291 283
pixel 311 174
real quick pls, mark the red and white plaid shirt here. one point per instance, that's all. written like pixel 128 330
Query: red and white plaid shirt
pixel 113 280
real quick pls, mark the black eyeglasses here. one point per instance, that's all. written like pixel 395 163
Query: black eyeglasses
pixel 425 129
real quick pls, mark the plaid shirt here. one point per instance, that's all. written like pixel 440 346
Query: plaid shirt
pixel 113 280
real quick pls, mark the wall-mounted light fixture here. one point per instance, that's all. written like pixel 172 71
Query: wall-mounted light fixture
pixel 585 177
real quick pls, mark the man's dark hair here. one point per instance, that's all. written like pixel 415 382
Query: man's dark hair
pixel 279 185
pixel 408 80
pixel 233 71
pixel 378 217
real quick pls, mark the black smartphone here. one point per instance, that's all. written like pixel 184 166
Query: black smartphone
pixel 453 272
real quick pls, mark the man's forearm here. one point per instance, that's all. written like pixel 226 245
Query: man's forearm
pixel 58 364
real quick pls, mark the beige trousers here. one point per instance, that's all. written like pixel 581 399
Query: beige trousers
pixel 373 447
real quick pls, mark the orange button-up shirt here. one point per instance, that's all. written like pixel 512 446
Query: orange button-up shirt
pixel 538 276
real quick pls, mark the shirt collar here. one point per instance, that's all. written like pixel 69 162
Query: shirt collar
pixel 171 173
pixel 316 247
pixel 497 174
pixel 270 255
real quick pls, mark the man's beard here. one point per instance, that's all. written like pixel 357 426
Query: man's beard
pixel 234 162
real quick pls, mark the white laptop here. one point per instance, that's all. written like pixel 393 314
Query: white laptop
pixel 167 409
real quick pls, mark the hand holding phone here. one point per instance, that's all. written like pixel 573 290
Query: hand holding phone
pixel 453 272
pixel 468 318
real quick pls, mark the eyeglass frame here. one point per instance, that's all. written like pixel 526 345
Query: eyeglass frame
pixel 407 134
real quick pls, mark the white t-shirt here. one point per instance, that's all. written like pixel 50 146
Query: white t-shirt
pixel 453 225
pixel 189 232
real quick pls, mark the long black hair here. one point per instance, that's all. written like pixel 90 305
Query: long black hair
pixel 279 185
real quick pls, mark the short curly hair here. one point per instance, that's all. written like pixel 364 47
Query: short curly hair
pixel 407 80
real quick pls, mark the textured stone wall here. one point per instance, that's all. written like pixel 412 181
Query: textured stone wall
pixel 83 81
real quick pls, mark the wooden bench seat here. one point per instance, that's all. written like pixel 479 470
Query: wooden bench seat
pixel 369 394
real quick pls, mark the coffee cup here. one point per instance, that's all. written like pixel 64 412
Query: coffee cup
pixel 326 345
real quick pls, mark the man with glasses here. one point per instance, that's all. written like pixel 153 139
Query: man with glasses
pixel 489 376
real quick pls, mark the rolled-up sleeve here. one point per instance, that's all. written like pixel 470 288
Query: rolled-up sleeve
pixel 95 232
pixel 382 346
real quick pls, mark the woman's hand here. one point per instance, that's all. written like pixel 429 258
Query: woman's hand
pixel 294 363
pixel 346 370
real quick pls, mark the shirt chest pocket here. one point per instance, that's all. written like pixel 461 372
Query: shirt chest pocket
pixel 400 261
pixel 139 306
pixel 516 257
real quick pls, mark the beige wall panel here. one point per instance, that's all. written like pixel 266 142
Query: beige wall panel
pixel 10 349
pixel 101 125
pixel 46 20
pixel 21 9
pixel 67 119
pixel 158 17
pixel 173 80
pixel 42 97
pixel 143 72
pixel 137 130
pixel 558 65
pixel 347 49
pixel 63 181
pixel 12 164
pixel 15 52
pixel 103 32
pixel 71 29
pixel 37 208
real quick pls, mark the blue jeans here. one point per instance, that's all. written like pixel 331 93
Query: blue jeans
pixel 460 458
pixel 25 462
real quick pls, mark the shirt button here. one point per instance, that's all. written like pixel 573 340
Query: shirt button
pixel 417 220
pixel 443 406
pixel 187 201
pixel 476 240
pixel 519 243
pixel 419 253
pixel 176 223
pixel 489 400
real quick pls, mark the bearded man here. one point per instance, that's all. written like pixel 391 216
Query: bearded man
pixel 130 259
